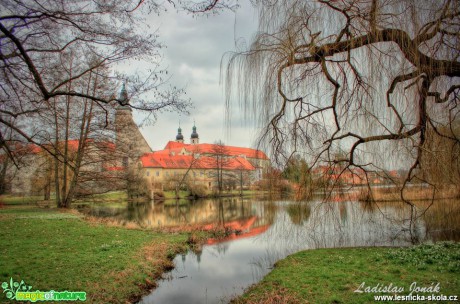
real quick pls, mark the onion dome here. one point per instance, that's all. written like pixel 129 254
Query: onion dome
pixel 194 134
pixel 179 135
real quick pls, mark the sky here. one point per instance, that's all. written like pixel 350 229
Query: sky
pixel 193 54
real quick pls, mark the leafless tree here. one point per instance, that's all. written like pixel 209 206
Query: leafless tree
pixel 367 77
pixel 37 38
pixel 220 160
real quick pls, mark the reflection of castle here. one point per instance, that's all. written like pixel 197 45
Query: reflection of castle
pixel 239 217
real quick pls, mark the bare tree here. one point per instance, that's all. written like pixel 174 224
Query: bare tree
pixel 367 77
pixel 220 161
pixel 37 39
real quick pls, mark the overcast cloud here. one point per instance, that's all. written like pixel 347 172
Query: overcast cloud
pixel 194 49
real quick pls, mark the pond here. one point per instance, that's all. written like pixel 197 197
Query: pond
pixel 267 231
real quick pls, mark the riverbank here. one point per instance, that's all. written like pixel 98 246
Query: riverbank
pixel 231 193
pixel 56 250
pixel 343 275
pixel 414 193
pixel 118 196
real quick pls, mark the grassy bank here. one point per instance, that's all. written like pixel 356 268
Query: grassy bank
pixel 232 193
pixel 51 250
pixel 33 199
pixel 19 200
pixel 414 193
pixel 332 275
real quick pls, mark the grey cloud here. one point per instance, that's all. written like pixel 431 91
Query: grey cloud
pixel 194 50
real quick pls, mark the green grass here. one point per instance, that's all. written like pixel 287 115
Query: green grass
pixel 20 200
pixel 237 192
pixel 113 195
pixel 332 275
pixel 51 250
pixel 184 194
pixel 172 194
pixel 109 196
pixel 32 199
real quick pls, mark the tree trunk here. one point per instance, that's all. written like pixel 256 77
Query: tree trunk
pixel 66 154
pixel 84 132
pixel 3 185
pixel 56 158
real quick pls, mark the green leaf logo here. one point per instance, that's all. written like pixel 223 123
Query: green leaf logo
pixel 11 288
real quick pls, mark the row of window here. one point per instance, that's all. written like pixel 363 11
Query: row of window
pixel 195 174
pixel 157 173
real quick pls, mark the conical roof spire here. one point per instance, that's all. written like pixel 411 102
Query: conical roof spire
pixel 123 96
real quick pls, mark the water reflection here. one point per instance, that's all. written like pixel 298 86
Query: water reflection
pixel 265 232
pixel 181 213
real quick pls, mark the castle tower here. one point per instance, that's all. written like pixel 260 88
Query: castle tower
pixel 129 141
pixel 179 136
pixel 194 138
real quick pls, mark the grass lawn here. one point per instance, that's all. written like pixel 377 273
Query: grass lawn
pixel 19 200
pixel 113 195
pixel 184 194
pixel 51 250
pixel 172 194
pixel 332 275
pixel 32 199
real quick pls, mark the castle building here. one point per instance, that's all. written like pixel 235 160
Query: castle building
pixel 201 163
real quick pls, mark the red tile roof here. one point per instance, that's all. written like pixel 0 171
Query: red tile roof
pixel 176 147
pixel 167 161
pixel 23 149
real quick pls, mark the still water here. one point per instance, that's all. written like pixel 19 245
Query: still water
pixel 265 232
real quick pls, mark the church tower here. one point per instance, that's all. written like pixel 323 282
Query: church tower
pixel 194 138
pixel 129 140
pixel 179 136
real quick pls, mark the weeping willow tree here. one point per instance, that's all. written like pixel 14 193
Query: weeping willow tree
pixel 376 80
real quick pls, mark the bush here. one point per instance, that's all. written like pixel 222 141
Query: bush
pixel 198 190
pixel 158 194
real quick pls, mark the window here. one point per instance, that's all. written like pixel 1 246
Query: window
pixel 148 173
pixel 158 173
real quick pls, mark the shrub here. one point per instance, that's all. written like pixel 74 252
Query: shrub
pixel 198 190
